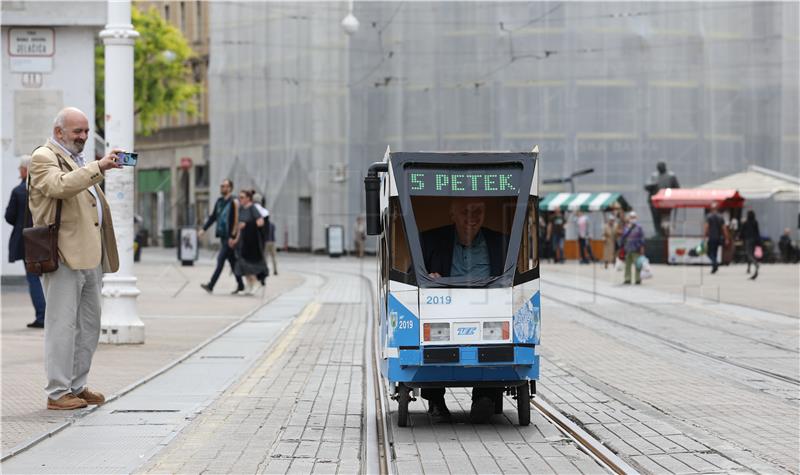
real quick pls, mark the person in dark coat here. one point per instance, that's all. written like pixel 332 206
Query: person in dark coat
pixel 464 249
pixel 15 216
pixel 226 215
pixel 751 236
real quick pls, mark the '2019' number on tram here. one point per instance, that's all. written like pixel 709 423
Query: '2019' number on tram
pixel 439 300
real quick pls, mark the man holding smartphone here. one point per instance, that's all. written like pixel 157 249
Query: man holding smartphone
pixel 87 248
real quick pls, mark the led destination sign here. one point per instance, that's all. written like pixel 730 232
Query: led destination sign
pixel 483 181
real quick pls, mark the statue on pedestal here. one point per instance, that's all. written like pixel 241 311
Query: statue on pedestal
pixel 662 178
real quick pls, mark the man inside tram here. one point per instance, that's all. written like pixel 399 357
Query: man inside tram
pixel 464 248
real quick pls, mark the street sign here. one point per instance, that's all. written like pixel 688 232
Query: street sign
pixel 31 50
pixel 31 41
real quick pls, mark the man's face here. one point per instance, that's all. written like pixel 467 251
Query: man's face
pixel 225 188
pixel 23 173
pixel 74 133
pixel 468 218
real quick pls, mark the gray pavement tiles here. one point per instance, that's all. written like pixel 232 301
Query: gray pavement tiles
pixel 298 408
pixel 652 389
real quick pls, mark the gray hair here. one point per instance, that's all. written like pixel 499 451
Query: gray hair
pixel 25 161
pixel 58 122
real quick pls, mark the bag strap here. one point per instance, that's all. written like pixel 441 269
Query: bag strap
pixel 28 218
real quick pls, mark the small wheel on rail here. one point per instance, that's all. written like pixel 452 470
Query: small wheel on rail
pixel 403 398
pixel 498 402
pixel 524 404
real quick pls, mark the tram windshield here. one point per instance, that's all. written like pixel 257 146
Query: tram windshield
pixel 464 217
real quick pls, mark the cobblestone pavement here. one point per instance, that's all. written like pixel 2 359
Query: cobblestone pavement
pixel 301 410
pixel 177 313
pixel 672 383
pixel 673 387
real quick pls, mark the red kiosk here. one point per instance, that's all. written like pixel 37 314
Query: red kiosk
pixel 681 243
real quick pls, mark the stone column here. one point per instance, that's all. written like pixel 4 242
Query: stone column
pixel 120 323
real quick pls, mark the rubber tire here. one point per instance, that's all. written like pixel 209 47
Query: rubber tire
pixel 524 404
pixel 498 404
pixel 403 398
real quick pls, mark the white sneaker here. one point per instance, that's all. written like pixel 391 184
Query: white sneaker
pixel 250 290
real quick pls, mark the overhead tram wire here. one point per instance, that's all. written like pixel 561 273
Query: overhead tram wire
pixel 324 18
pixel 298 80
pixel 384 57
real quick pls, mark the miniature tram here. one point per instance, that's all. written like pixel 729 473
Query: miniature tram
pixel 459 297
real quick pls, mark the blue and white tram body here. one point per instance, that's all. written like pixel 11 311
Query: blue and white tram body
pixel 456 331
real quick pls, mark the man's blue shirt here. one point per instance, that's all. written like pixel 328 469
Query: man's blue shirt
pixel 473 260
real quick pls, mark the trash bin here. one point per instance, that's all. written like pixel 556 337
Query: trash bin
pixel 334 240
pixel 168 237
pixel 187 247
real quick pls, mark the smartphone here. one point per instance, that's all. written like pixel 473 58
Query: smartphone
pixel 127 158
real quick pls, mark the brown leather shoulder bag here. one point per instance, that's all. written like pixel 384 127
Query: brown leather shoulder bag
pixel 41 242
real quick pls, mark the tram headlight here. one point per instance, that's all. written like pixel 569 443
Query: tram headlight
pixel 495 330
pixel 436 331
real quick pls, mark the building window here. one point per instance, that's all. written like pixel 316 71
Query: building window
pixel 198 24
pixel 201 176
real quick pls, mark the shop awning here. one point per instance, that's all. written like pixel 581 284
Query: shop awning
pixel 582 201
pixel 759 183
pixel 696 198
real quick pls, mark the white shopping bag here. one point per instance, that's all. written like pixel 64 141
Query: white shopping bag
pixel 647 270
pixel 619 264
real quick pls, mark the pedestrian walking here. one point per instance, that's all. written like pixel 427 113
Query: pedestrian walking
pixel 87 248
pixel 716 235
pixel 555 234
pixel 543 244
pixel 268 230
pixel 789 252
pixel 226 216
pixel 751 236
pixel 258 202
pixel 249 243
pixel 632 244
pixel 270 246
pixel 609 241
pixel 15 216
pixel 360 236
pixel 584 237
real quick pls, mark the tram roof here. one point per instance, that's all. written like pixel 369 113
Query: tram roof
pixel 457 158
pixel 582 201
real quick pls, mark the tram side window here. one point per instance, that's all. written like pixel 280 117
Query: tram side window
pixel 398 242
pixel 528 258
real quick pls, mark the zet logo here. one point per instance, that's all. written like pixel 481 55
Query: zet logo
pixel 393 319
pixel 467 331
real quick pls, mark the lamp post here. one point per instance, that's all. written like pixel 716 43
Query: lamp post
pixel 120 321
pixel 350 22
pixel 569 179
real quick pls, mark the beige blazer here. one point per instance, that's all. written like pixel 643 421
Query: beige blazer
pixel 82 242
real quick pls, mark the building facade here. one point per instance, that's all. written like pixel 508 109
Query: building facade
pixel 48 64
pixel 300 109
pixel 172 177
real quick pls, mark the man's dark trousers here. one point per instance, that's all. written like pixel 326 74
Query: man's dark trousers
pixel 586 250
pixel 226 253
pixel 713 246
pixel 37 295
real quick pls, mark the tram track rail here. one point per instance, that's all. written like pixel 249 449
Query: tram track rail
pixel 382 446
pixel 669 342
pixel 673 316
pixel 589 444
